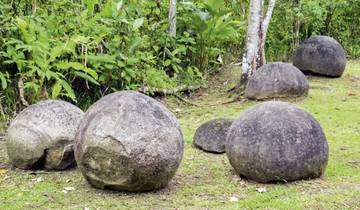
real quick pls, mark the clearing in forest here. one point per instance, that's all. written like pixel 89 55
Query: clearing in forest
pixel 207 180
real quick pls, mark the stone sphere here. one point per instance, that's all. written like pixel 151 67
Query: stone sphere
pixel 128 141
pixel 42 136
pixel 277 142
pixel 211 136
pixel 321 55
pixel 277 80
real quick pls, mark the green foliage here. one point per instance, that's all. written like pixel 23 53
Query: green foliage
pixel 213 27
pixel 81 50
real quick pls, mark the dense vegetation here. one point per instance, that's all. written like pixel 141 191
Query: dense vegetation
pixel 80 50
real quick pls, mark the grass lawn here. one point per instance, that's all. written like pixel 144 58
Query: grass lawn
pixel 207 180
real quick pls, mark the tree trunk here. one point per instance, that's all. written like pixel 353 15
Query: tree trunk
pixel 264 28
pixel 296 4
pixel 172 18
pixel 258 58
pixel 252 41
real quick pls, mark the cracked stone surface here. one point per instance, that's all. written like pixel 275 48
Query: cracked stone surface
pixel 277 141
pixel 128 141
pixel 42 136
pixel 277 80
pixel 321 55
pixel 211 135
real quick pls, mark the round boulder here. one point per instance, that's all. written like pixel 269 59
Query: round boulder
pixel 130 142
pixel 211 135
pixel 321 55
pixel 277 142
pixel 42 136
pixel 277 80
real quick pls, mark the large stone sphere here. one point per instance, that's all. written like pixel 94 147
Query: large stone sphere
pixel 130 142
pixel 321 55
pixel 276 141
pixel 42 136
pixel 211 136
pixel 277 80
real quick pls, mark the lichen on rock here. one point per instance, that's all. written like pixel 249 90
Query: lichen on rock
pixel 42 136
pixel 276 141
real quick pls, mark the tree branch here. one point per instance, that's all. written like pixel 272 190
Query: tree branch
pixel 22 92
pixel 173 91
pixel 252 40
pixel 265 26
pixel 172 18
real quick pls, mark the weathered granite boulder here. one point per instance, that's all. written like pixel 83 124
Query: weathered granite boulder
pixel 276 141
pixel 277 80
pixel 130 142
pixel 321 55
pixel 42 136
pixel 211 136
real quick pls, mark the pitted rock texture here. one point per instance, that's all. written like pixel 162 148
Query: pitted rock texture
pixel 42 136
pixel 321 55
pixel 128 141
pixel 277 80
pixel 277 142
pixel 211 136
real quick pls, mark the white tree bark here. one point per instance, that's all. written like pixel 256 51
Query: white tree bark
pixel 265 26
pixel 252 40
pixel 172 18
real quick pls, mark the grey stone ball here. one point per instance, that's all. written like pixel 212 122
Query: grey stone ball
pixel 277 80
pixel 211 136
pixel 42 136
pixel 321 55
pixel 128 141
pixel 277 142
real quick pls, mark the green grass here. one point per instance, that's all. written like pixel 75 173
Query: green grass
pixel 207 180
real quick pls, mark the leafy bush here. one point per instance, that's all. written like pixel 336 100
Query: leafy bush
pixel 82 51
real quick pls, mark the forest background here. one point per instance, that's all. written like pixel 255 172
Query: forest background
pixel 81 50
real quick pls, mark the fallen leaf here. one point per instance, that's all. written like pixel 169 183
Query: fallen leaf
pixel 234 199
pixel 3 171
pixel 261 189
pixel 69 188
pixel 50 198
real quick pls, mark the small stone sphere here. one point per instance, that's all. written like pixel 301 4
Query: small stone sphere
pixel 321 55
pixel 277 142
pixel 42 136
pixel 277 80
pixel 211 136
pixel 128 141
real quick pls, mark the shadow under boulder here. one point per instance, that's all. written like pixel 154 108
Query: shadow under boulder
pixel 211 135
pixel 277 80
pixel 42 136
pixel 321 55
